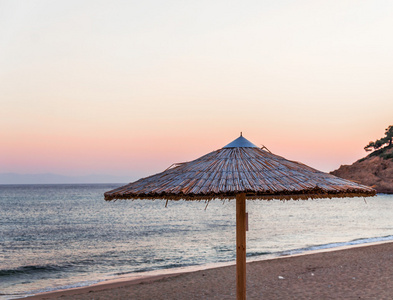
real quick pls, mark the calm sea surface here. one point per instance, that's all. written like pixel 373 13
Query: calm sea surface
pixel 59 236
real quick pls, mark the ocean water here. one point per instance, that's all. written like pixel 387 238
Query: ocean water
pixel 61 236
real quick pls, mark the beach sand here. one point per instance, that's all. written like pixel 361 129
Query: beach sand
pixel 363 272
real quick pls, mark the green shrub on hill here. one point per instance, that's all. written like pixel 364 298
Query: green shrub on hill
pixel 386 140
pixel 382 146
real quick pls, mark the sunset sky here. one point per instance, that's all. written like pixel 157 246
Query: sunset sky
pixel 130 87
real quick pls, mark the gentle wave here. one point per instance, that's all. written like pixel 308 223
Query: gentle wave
pixel 46 290
pixel 337 245
pixel 34 269
pixel 253 254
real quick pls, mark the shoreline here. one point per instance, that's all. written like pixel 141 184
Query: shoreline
pixel 152 285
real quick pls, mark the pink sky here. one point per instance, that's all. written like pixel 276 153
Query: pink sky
pixel 128 89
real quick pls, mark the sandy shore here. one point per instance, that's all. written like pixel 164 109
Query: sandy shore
pixel 364 272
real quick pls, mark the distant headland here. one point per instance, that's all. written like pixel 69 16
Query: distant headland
pixel 50 178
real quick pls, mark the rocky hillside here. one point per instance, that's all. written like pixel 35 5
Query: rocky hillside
pixel 374 170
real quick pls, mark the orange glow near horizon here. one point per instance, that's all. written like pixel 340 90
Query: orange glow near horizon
pixel 153 153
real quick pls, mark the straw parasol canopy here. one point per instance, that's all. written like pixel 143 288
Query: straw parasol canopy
pixel 239 167
pixel 238 171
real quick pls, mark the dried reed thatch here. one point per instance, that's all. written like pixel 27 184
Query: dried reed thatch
pixel 240 167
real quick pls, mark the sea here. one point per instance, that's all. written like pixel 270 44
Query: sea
pixel 63 236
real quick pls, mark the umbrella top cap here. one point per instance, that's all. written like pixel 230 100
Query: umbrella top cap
pixel 240 142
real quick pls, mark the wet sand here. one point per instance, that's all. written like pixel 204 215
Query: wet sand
pixel 363 272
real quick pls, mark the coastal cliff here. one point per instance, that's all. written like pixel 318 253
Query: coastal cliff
pixel 375 170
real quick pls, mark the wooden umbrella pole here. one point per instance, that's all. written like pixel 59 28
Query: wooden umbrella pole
pixel 241 246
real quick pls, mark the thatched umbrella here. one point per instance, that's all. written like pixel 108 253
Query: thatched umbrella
pixel 238 171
